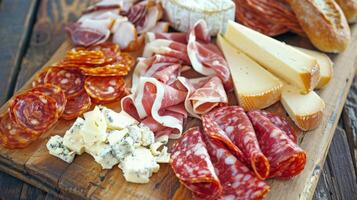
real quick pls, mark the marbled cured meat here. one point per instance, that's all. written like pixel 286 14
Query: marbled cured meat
pixel 34 112
pixel 82 36
pixel 176 36
pixel 193 166
pixel 105 88
pixel 238 128
pixel 286 158
pixel 76 106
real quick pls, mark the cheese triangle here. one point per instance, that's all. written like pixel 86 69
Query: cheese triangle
pixel 254 86
pixel 306 110
pixel 282 60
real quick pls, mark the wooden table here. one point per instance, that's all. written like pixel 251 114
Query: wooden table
pixel 32 30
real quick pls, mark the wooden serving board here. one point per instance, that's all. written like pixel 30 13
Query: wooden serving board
pixel 85 179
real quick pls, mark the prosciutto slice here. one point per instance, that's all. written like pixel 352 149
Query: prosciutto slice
pixel 155 99
pixel 205 60
pixel 177 37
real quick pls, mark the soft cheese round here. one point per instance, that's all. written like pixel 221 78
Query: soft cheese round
pixel 183 14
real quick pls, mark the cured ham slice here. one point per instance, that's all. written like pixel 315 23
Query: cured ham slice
pixel 286 158
pixel 234 122
pixel 203 94
pixel 167 48
pixel 154 99
pixel 237 181
pixel 160 27
pixel 126 36
pixel 192 165
pixel 81 36
pixel 177 37
pixel 154 14
pixel 204 60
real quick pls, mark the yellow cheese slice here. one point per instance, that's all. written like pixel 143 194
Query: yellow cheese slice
pixel 306 110
pixel 282 60
pixel 254 86
pixel 326 66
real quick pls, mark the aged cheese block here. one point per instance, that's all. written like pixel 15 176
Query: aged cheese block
pixel 326 66
pixel 255 87
pixel 282 60
pixel 183 14
pixel 306 110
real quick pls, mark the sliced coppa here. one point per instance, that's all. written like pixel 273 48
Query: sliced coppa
pixel 76 106
pixel 12 136
pixel 237 180
pixel 34 112
pixel 281 123
pixel 70 80
pixel 192 165
pixel 237 126
pixel 55 92
pixel 105 88
pixel 286 158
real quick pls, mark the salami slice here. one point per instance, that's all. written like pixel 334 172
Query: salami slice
pixel 76 106
pixel 70 80
pixel 34 112
pixel 238 128
pixel 12 136
pixel 192 165
pixel 237 180
pixel 105 88
pixel 286 158
pixel 40 78
pixel 281 123
pixel 55 92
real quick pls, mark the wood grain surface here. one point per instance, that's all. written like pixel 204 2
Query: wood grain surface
pixel 108 184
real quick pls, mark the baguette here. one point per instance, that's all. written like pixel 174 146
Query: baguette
pixel 349 7
pixel 324 23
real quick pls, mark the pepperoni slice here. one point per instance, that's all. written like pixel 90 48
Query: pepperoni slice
pixel 40 78
pixel 12 136
pixel 34 112
pixel 54 92
pixel 237 126
pixel 286 158
pixel 70 80
pixel 105 88
pixel 76 106
pixel 281 123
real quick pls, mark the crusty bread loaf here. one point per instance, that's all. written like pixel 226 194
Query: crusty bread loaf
pixel 324 23
pixel 349 7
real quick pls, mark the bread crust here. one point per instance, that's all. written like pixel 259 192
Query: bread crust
pixel 324 23
pixel 349 7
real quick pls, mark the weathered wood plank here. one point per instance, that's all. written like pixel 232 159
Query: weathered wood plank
pixel 16 17
pixel 10 187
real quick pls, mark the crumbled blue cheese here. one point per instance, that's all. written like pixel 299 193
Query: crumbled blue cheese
pixel 117 120
pixel 147 137
pixel 94 128
pixel 163 157
pixel 139 166
pixel 102 153
pixel 73 138
pixel 56 148
pixel 123 147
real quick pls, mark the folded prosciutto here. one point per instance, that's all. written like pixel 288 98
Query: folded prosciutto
pixel 236 129
pixel 206 167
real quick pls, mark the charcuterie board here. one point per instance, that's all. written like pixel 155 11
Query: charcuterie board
pixel 85 179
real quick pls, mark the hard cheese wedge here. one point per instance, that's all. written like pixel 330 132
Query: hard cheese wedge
pixel 306 110
pixel 288 63
pixel 326 66
pixel 254 86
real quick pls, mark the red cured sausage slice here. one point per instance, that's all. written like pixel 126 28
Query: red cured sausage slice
pixel 286 158
pixel 12 136
pixel 238 128
pixel 192 165
pixel 281 123
pixel 105 88
pixel 55 92
pixel 40 78
pixel 76 106
pixel 34 112
pixel 237 180
pixel 70 80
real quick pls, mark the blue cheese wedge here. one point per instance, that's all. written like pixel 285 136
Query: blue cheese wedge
pixel 73 138
pixel 94 127
pixel 138 167
pixel 121 143
pixel 164 156
pixel 56 148
pixel 116 120
pixel 102 153
pixel 147 137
